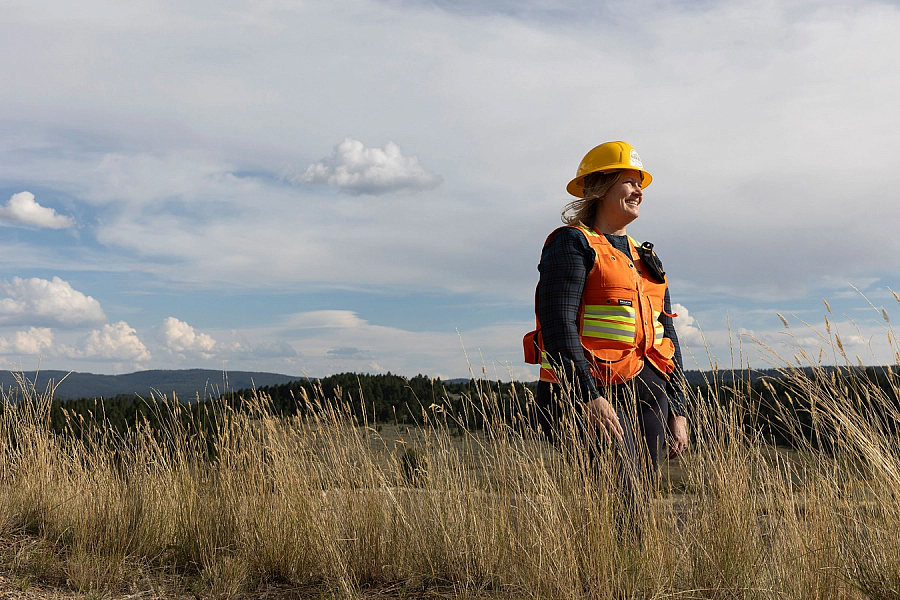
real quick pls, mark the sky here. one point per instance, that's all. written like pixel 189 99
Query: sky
pixel 365 185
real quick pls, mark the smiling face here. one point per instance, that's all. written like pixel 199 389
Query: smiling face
pixel 621 204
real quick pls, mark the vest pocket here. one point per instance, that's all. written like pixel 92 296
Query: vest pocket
pixel 664 350
pixel 615 366
pixel 609 357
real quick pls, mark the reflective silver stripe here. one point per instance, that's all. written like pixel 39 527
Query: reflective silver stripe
pixel 613 323
pixel 620 327
pixel 610 318
pixel 608 333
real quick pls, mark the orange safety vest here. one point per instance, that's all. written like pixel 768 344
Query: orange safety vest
pixel 618 319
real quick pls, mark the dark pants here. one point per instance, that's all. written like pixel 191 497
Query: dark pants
pixel 642 406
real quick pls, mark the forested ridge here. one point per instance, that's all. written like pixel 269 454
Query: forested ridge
pixel 389 398
pixel 379 398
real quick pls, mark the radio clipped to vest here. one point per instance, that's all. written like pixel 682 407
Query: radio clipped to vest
pixel 651 261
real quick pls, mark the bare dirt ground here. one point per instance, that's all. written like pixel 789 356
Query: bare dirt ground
pixel 16 588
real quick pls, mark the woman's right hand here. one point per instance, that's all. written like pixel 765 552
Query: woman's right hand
pixel 600 415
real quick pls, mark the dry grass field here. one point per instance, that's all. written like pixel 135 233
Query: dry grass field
pixel 323 506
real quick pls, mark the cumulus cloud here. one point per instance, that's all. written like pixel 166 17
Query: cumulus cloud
pixel 33 341
pixel 22 208
pixel 360 170
pixel 180 338
pixel 37 301
pixel 688 331
pixel 117 341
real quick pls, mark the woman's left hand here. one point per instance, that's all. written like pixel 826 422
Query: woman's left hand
pixel 679 441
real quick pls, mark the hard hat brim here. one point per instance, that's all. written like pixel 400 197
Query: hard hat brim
pixel 576 186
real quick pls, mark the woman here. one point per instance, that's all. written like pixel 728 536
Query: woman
pixel 604 318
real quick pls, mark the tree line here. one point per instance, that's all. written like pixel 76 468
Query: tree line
pixel 779 409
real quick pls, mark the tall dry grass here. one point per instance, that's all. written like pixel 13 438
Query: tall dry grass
pixel 326 505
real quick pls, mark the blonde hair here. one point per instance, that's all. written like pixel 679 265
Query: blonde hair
pixel 583 211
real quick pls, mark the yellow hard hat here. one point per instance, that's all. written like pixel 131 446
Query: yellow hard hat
pixel 611 156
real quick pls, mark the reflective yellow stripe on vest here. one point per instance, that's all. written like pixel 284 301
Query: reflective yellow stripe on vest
pixel 658 328
pixel 609 322
pixel 545 361
pixel 590 232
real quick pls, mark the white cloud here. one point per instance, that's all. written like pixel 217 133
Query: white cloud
pixel 319 319
pixel 273 349
pixel 810 342
pixel 183 342
pixel 117 341
pixel 350 353
pixel 180 338
pixel 336 341
pixel 188 178
pixel 360 170
pixel 34 341
pixel 37 301
pixel 239 348
pixel 686 326
pixel 22 208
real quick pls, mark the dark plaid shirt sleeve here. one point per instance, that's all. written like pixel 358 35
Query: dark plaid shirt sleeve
pixel 565 264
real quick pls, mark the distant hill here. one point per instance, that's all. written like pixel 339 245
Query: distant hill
pixel 187 384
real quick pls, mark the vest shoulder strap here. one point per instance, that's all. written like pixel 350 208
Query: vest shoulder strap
pixel 588 233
